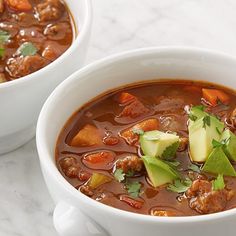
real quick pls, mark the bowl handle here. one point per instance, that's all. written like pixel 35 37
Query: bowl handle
pixel 69 221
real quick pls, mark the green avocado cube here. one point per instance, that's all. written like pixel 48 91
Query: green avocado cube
pixel 159 144
pixel 229 147
pixel 158 171
pixel 218 163
pixel 201 134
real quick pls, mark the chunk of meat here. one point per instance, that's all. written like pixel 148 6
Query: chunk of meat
pixel 183 144
pixel 2 78
pixel 57 31
pixel 134 110
pixel 69 167
pixel 1 6
pixel 203 199
pixel 126 98
pixel 88 191
pixel 89 135
pixel 147 125
pixel 51 51
pixel 19 5
pixel 232 118
pixel 21 66
pixel 132 202
pixel 99 160
pixel 169 104
pixel 131 163
pixel 49 10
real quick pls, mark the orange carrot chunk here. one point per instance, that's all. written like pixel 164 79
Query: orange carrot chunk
pixel 126 97
pixel 214 96
pixel 19 5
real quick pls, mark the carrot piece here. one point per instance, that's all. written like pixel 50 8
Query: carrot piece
pixel 19 5
pixel 132 202
pixel 213 96
pixel 126 97
pixel 89 135
pixel 99 160
pixel 147 125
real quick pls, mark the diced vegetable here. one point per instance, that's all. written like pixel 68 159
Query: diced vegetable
pixel 99 160
pixel 218 183
pixel 229 140
pixel 126 97
pixel 132 202
pixel 159 172
pixel 131 136
pixel 159 144
pixel 98 179
pixel 218 163
pixel 214 96
pixel 19 5
pixel 89 135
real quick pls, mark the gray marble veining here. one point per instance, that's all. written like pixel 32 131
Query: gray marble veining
pixel 25 205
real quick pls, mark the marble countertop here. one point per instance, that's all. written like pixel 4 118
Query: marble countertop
pixel 25 206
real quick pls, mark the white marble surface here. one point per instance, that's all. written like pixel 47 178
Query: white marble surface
pixel 25 205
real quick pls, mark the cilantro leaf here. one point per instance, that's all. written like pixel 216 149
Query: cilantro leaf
pixel 194 168
pixel 180 186
pixel 170 151
pixel 218 183
pixel 206 121
pixel 4 36
pixel 119 175
pixel 27 49
pixel 138 131
pixel 130 173
pixel 133 188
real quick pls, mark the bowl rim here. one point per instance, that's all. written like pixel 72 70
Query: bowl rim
pixel 38 74
pixel 47 162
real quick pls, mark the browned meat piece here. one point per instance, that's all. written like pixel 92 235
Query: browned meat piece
pixel 134 109
pixel 2 78
pixel 49 10
pixel 69 167
pixel 183 144
pixel 21 66
pixel 85 189
pixel 233 118
pixel 130 163
pixel 205 200
pixel 1 6
pixel 57 31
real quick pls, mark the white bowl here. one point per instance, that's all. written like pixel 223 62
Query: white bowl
pixel 22 99
pixel 75 213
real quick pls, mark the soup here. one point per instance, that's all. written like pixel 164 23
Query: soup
pixel 164 148
pixel 33 33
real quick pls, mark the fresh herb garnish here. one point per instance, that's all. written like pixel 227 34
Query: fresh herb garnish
pixel 206 121
pixel 194 168
pixel 138 131
pixel 119 175
pixel 4 36
pixel 170 151
pixel 27 49
pixel 130 173
pixel 218 183
pixel 133 188
pixel 180 186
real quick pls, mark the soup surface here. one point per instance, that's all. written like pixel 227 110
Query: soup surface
pixel 33 33
pixel 164 148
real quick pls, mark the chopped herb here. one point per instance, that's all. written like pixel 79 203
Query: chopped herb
pixel 206 121
pixel 180 186
pixel 194 168
pixel 133 188
pixel 27 49
pixel 4 36
pixel 218 183
pixel 130 173
pixel 192 117
pixel 119 175
pixel 138 131
pixel 170 151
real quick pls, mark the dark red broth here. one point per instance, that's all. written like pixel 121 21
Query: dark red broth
pixel 166 102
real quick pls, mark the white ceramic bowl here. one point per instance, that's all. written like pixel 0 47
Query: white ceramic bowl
pixel 21 100
pixel 75 213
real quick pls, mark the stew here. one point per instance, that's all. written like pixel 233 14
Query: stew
pixel 165 148
pixel 33 33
